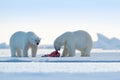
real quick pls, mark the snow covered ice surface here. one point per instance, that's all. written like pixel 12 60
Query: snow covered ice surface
pixel 59 71
pixel 42 69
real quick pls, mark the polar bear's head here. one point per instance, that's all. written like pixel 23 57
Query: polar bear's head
pixel 62 40
pixel 34 39
pixel 58 43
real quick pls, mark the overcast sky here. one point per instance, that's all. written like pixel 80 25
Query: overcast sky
pixel 50 18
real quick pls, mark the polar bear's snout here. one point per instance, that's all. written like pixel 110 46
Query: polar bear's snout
pixel 37 41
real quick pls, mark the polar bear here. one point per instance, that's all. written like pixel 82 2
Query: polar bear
pixel 77 40
pixel 21 41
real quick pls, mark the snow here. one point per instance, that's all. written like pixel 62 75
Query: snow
pixel 59 71
pixel 97 55
pixel 38 67
pixel 102 65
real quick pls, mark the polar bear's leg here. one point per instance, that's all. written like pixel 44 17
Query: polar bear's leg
pixel 19 53
pixel 71 48
pixel 71 51
pixel 13 52
pixel 25 52
pixel 65 51
pixel 85 53
pixel 34 51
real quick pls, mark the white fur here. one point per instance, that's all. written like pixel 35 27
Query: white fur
pixel 71 41
pixel 20 42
